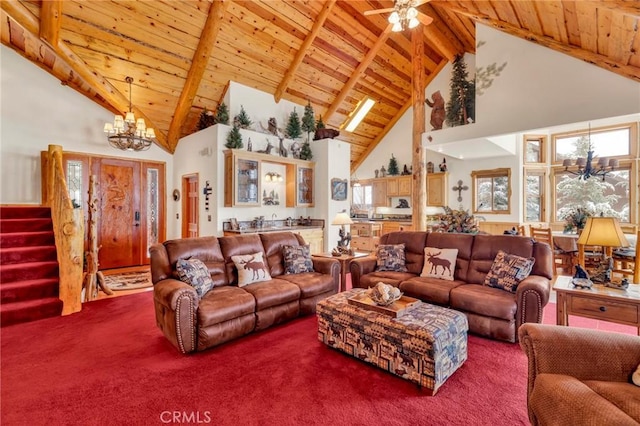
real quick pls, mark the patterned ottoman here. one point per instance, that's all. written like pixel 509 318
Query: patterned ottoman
pixel 425 346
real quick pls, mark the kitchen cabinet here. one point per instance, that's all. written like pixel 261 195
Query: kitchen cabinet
pixel 394 226
pixel 399 186
pixel 243 177
pixel 379 193
pixel 313 237
pixel 242 182
pixel 437 189
pixel 300 184
pixel 365 236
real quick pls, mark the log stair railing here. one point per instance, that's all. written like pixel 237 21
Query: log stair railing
pixel 68 227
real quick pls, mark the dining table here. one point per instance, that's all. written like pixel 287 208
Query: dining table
pixel 568 243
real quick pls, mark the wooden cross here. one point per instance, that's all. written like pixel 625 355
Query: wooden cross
pixel 460 188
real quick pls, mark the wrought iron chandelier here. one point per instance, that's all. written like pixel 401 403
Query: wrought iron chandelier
pixel 404 15
pixel 127 133
pixel 586 169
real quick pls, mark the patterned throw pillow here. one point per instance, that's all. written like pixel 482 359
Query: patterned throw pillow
pixel 508 270
pixel 297 259
pixel 439 263
pixel 391 257
pixel 195 273
pixel 251 268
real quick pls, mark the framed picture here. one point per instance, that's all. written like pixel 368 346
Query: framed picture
pixel 339 189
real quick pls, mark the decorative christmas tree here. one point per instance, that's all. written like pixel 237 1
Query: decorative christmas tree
pixel 234 139
pixel 242 120
pixel 222 114
pixel 461 105
pixel 293 129
pixel 308 120
pixel 207 119
pixel 319 123
pixel 305 151
pixel 393 170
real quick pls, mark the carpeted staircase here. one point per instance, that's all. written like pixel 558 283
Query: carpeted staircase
pixel 28 265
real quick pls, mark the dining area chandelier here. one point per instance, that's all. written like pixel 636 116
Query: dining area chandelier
pixel 128 134
pixel 404 15
pixel 585 167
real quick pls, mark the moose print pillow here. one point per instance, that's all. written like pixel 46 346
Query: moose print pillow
pixel 439 263
pixel 251 268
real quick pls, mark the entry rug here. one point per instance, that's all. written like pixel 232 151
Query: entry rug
pixel 128 280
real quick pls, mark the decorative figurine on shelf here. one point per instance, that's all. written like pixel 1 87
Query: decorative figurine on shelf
pixel 429 167
pixel 249 145
pixel 383 172
pixel 405 171
pixel 437 110
pixel 443 165
pixel 376 172
pixel 402 204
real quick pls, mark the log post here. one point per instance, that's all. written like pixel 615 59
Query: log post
pixel 419 162
pixel 94 280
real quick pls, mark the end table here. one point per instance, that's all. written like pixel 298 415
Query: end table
pixel 345 261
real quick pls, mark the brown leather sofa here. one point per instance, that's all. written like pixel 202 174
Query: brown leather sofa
pixel 491 312
pixel 228 311
pixel 580 376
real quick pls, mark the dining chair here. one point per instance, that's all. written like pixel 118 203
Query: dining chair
pixel 561 259
pixel 521 230
pixel 626 263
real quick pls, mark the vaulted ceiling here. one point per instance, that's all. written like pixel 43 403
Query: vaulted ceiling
pixel 182 53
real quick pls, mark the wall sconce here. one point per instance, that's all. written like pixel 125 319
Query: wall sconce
pixel 273 177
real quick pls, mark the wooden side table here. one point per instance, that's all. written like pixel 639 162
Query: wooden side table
pixel 599 302
pixel 345 261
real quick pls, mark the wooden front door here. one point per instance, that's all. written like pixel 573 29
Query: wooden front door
pixel 119 222
pixel 190 206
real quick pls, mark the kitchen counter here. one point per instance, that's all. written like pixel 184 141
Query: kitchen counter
pixel 272 229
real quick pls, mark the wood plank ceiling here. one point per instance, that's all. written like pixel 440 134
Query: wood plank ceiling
pixel 182 54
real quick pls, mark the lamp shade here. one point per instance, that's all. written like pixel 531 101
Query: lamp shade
pixel 603 231
pixel 342 219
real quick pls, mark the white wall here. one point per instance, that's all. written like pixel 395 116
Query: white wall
pixel 37 110
pixel 540 91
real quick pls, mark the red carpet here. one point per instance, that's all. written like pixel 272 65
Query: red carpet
pixel 109 364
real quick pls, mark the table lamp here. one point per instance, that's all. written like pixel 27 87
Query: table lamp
pixel 605 232
pixel 343 219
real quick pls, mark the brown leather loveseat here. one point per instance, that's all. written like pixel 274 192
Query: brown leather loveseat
pixel 227 311
pixel 491 312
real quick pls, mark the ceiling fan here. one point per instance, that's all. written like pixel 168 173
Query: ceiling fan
pixel 404 14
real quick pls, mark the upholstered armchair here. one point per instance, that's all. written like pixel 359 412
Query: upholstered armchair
pixel 579 376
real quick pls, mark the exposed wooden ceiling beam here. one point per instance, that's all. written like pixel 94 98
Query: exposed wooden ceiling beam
pixel 619 6
pixel 50 17
pixel 357 73
pixel 30 23
pixel 302 52
pixel 374 143
pixel 196 71
pixel 587 56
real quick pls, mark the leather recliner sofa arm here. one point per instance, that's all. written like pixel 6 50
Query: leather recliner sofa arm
pixel 328 266
pixel 532 295
pixel 176 305
pixel 578 352
pixel 359 267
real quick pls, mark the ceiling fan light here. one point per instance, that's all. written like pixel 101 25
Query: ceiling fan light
pixel 413 22
pixel 394 18
pixel 412 13
pixel 396 27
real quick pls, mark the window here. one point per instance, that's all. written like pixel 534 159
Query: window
pixel 362 196
pixel 534 184
pixel 534 149
pixel 492 191
pixel 609 197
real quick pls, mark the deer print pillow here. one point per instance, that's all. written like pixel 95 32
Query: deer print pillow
pixel 251 268
pixel 508 270
pixel 439 263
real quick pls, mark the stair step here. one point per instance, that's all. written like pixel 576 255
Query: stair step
pixel 14 255
pixel 25 225
pixel 39 238
pixel 31 310
pixel 29 290
pixel 28 271
pixel 18 212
